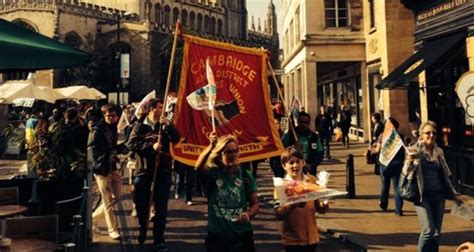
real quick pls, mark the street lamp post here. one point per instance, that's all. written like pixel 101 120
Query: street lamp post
pixel 119 84
pixel 119 52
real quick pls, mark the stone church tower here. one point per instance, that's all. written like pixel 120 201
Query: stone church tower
pixel 271 21
pixel 236 18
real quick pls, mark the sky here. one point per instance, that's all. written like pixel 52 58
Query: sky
pixel 258 9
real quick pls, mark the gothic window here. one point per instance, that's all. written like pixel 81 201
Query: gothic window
pixel 166 17
pixel 175 15
pixel 213 25
pixel 158 14
pixel 25 25
pixel 184 18
pixel 192 21
pixel 199 24
pixel 206 24
pixel 73 39
pixel 336 13
pixel 219 27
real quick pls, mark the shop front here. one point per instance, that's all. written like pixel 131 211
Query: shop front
pixel 444 53
pixel 343 87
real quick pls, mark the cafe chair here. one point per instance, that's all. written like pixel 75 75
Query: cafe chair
pixel 66 209
pixel 32 234
pixel 34 227
pixel 9 196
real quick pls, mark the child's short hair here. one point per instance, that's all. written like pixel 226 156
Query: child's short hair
pixel 290 152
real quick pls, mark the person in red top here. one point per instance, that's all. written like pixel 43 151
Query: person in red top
pixel 299 230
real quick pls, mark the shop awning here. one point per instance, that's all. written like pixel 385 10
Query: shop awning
pixel 422 59
pixel 21 48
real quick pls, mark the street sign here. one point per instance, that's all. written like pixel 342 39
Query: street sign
pixel 125 65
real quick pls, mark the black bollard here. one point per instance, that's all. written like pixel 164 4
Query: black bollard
pixel 350 182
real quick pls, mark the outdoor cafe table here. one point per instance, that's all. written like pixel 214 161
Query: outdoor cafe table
pixel 30 245
pixel 11 210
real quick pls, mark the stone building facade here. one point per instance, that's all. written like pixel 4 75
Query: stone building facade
pixel 145 27
pixel 388 32
pixel 324 56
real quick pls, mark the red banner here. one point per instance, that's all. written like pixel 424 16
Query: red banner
pixel 242 103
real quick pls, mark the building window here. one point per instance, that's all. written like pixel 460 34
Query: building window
pixel 192 18
pixel 213 25
pixel 175 16
pixel 158 13
pixel 336 13
pixel 297 24
pixel 292 36
pixel 166 17
pixel 73 39
pixel 372 13
pixel 184 18
pixel 25 25
pixel 199 22
pixel 219 27
pixel 206 24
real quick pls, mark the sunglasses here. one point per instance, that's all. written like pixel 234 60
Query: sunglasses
pixel 303 122
pixel 432 133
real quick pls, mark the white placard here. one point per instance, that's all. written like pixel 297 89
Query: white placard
pixel 464 211
pixel 125 65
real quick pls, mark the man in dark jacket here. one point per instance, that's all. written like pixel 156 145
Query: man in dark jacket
pixel 345 117
pixel 143 141
pixel 101 157
pixel 308 140
pixel 323 124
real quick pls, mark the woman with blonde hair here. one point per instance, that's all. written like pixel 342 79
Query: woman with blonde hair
pixel 232 196
pixel 426 162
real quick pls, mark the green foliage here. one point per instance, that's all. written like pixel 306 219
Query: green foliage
pixel 57 158
pixel 88 74
pixel 166 50
pixel 9 132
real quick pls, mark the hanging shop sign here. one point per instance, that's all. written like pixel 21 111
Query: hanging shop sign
pixel 440 8
pixel 465 92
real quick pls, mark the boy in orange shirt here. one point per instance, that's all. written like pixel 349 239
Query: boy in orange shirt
pixel 299 230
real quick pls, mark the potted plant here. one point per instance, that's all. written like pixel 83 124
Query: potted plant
pixel 61 166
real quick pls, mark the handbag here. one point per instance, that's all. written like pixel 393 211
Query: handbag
pixel 338 134
pixel 408 188
pixel 370 158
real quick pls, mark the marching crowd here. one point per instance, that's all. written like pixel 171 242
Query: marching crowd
pixel 230 186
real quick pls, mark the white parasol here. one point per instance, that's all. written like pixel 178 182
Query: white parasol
pixel 11 91
pixel 81 93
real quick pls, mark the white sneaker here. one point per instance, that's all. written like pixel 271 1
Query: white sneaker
pixel 189 203
pixel 114 235
pixel 176 196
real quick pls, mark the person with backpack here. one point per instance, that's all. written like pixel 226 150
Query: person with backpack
pixel 232 196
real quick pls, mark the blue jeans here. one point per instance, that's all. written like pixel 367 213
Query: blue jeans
pixel 430 215
pixel 385 176
pixel 185 180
